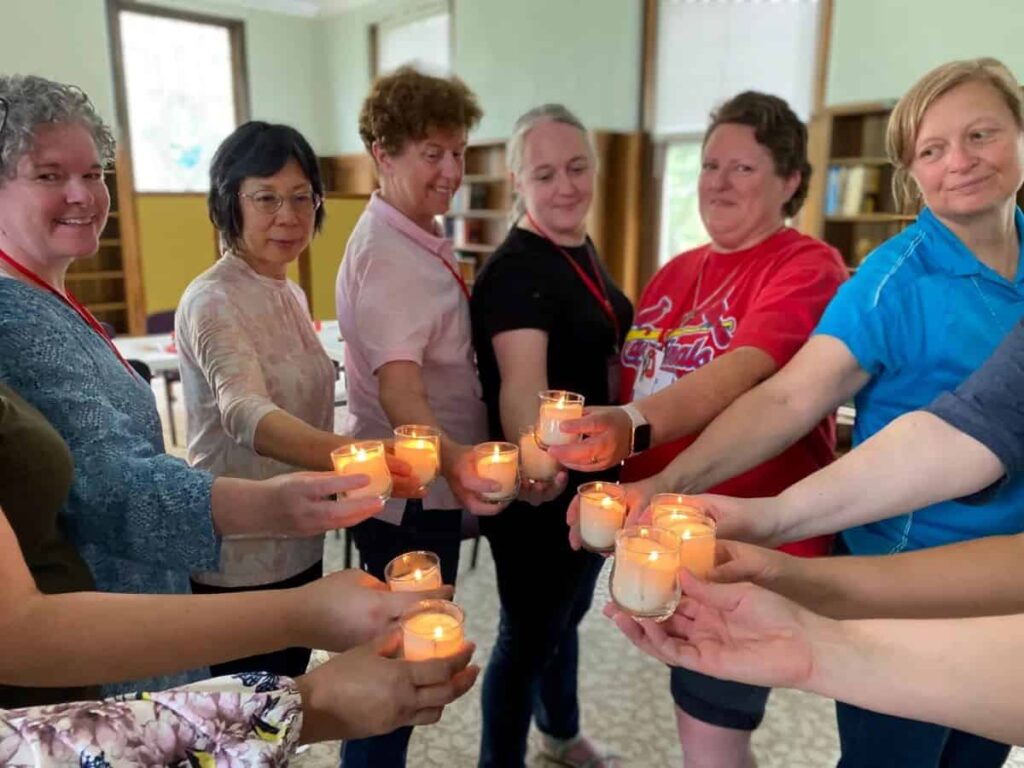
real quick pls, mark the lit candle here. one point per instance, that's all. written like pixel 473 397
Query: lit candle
pixel 364 458
pixel 557 406
pixel 432 629
pixel 602 511
pixel 500 462
pixel 420 447
pixel 538 465
pixel 645 573
pixel 413 572
pixel 695 529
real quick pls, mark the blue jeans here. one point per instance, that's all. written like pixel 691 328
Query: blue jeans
pixel 872 740
pixel 545 589
pixel 435 530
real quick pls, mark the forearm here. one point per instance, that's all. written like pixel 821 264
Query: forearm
pixel 410 406
pixel 971 578
pixel 696 399
pixel 122 637
pixel 964 673
pixel 518 405
pixel 917 460
pixel 288 439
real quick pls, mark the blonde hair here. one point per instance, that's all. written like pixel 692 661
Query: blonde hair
pixel 514 149
pixel 905 121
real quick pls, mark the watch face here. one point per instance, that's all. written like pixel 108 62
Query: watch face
pixel 642 438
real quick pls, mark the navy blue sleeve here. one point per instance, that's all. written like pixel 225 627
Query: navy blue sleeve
pixel 989 406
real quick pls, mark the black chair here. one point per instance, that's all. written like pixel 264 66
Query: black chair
pixel 163 322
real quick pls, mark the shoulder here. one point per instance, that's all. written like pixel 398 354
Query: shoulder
pixel 793 252
pixel 517 259
pixel 204 294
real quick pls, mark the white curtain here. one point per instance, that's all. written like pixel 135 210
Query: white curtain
pixel 710 50
pixel 421 38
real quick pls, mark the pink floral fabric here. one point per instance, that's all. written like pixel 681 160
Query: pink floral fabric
pixel 244 720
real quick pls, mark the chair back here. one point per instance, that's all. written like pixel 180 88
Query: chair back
pixel 160 322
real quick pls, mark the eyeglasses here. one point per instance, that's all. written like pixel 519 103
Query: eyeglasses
pixel 270 202
pixel 4 109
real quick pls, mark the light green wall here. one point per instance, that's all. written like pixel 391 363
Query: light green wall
pixel 880 47
pixel 514 55
pixel 63 40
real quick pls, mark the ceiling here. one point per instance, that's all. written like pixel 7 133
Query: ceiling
pixel 306 8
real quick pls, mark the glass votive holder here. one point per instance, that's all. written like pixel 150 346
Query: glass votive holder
pixel 556 406
pixel 432 629
pixel 645 572
pixel 537 464
pixel 694 527
pixel 366 457
pixel 500 462
pixel 413 572
pixel 602 512
pixel 419 446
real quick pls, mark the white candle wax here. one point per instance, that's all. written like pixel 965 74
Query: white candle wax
pixel 644 581
pixel 413 572
pixel 600 518
pixel 552 414
pixel 538 464
pixel 421 455
pixel 364 459
pixel 431 636
pixel 500 463
pixel 696 532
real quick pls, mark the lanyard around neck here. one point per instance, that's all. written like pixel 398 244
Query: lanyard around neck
pixel 598 290
pixel 454 273
pixel 70 301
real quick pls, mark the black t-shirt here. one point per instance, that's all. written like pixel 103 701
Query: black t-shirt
pixel 527 283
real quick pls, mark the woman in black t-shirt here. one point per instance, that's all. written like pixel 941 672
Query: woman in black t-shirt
pixel 546 315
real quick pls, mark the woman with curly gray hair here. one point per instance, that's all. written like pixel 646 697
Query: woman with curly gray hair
pixel 142 520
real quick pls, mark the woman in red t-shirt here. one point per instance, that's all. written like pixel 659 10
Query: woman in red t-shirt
pixel 719 319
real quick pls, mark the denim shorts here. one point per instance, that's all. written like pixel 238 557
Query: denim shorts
pixel 719 702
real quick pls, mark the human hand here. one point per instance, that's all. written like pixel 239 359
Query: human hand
pixel 467 485
pixel 298 504
pixel 606 431
pixel 737 632
pixel 350 607
pixel 753 520
pixel 369 690
pixel 537 492
pixel 736 561
pixel 404 484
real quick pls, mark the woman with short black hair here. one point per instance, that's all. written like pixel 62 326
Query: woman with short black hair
pixel 259 388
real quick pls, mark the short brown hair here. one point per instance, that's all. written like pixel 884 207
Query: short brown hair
pixel 777 129
pixel 906 117
pixel 404 105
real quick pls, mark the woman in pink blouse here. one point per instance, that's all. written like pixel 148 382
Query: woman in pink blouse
pixel 259 388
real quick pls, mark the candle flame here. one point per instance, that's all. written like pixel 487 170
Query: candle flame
pixel 606 501
pixel 417 574
pixel 687 534
pixel 361 455
pixel 497 451
pixel 653 557
pixel 421 444
pixel 438 633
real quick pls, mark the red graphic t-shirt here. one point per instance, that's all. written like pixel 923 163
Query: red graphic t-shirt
pixel 703 304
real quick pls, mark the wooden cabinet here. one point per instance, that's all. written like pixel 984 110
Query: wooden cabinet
pixel 109 283
pixel 480 213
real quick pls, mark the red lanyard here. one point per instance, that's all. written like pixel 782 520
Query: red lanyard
pixel 601 294
pixel 455 274
pixel 72 302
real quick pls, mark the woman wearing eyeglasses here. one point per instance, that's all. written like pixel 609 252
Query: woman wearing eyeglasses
pixel 259 388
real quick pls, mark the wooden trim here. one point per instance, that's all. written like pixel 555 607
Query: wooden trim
pixel 171 194
pixel 373 49
pixel 239 71
pixel 862 108
pixel 131 256
pixel 648 65
pixel 822 56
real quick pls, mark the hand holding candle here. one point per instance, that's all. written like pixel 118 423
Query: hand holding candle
pixel 645 573
pixel 602 512
pixel 413 572
pixel 695 529
pixel 432 629
pixel 556 406
pixel 364 458
pixel 498 462
pixel 538 465
pixel 420 447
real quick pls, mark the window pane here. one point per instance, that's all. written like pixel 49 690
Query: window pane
pixel 423 43
pixel 681 227
pixel 181 102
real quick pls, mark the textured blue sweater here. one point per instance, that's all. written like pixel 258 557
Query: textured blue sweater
pixel 140 518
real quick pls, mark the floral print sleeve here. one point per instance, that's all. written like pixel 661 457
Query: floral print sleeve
pixel 243 720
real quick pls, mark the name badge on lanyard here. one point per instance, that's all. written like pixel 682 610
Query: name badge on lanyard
pixel 651 378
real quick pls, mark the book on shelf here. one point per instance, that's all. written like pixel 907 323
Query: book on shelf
pixel 851 190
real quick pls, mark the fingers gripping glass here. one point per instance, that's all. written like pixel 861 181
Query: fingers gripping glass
pixel 270 202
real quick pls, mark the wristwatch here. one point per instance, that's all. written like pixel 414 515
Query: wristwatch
pixel 640 439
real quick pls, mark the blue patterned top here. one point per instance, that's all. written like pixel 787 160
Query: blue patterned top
pixel 140 518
